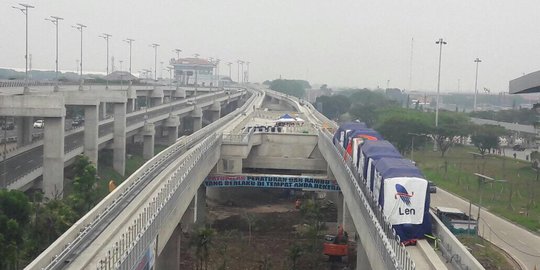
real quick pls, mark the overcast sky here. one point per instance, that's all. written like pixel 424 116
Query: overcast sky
pixel 355 43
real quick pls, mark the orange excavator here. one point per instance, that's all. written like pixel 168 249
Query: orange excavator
pixel 336 246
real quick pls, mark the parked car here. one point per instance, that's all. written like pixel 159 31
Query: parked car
pixel 77 121
pixel 39 124
pixel 518 147
pixel 432 187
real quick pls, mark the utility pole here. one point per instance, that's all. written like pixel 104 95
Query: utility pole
pixel 24 10
pixel 107 37
pixel 80 27
pixel 155 46
pixel 54 20
pixel 477 61
pixel 129 41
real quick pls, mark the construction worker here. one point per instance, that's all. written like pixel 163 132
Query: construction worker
pixel 112 185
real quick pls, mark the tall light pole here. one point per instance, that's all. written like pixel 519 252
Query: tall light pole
pixel 107 37
pixel 217 71
pixel 155 46
pixel 24 9
pixel 80 27
pixel 477 61
pixel 54 20
pixel 129 41
pixel 178 51
pixel 440 42
pixel 196 74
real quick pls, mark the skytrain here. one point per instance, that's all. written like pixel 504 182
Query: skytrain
pixel 393 182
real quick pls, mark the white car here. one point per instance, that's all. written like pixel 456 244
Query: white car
pixel 39 124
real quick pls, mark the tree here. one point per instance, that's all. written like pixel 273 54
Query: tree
pixel 486 137
pixel 202 240
pixel 14 216
pixel 334 106
pixel 294 254
pixel 251 220
pixel 295 88
pixel 84 195
pixel 451 125
pixel 400 129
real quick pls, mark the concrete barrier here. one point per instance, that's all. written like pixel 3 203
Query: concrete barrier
pixel 452 249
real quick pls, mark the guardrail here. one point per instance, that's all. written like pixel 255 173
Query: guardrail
pixel 75 235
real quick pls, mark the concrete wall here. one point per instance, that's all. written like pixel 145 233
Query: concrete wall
pixel 452 248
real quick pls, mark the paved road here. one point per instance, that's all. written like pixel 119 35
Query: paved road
pixel 22 164
pixel 523 245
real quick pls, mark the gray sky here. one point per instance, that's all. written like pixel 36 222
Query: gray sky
pixel 342 43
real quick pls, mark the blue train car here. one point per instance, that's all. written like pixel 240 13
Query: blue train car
pixel 402 191
pixel 369 153
pixel 344 129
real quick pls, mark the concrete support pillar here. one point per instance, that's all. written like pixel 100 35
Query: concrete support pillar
pixel 170 256
pixel 119 138
pixel 131 98
pixel 131 105
pixel 179 93
pixel 102 110
pixel 199 216
pixel 348 223
pixel 148 134
pixel 196 115
pixel 362 261
pixel 156 97
pixel 172 124
pixel 53 157
pixel 25 126
pixel 215 111
pixel 91 133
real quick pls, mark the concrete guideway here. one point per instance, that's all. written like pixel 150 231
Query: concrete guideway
pixel 523 245
pixel 91 226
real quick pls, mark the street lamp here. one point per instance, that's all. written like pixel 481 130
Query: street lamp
pixel 80 27
pixel 107 37
pixel 155 46
pixel 24 10
pixel 483 179
pixel 477 61
pixel 129 41
pixel 440 42
pixel 54 20
pixel 178 51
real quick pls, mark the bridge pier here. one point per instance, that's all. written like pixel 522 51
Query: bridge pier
pixel 91 133
pixel 172 124
pixel 119 138
pixel 148 134
pixel 25 126
pixel 156 97
pixel 170 256
pixel 131 98
pixel 102 110
pixel 53 157
pixel 199 215
pixel 197 115
pixel 179 93
pixel 215 111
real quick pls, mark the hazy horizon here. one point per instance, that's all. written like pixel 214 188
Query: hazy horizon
pixel 344 44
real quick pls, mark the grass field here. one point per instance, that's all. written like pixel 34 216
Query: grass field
pixel 514 198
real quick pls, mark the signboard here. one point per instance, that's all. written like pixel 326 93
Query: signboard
pixel 149 258
pixel 271 181
pixel 404 200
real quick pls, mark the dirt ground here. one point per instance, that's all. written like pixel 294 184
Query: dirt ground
pixel 276 234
